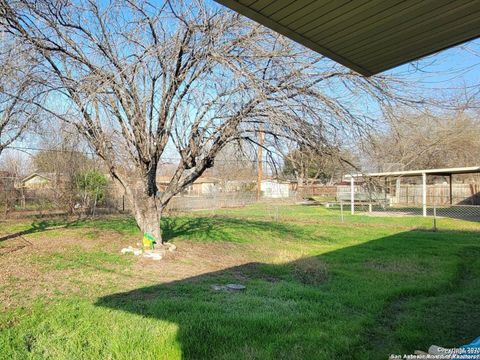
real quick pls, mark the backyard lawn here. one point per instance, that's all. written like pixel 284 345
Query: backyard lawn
pixel 316 287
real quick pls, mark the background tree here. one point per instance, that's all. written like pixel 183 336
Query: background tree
pixel 16 164
pixel 13 167
pixel 307 166
pixel 426 141
pixel 235 162
pixel 61 152
pixel 18 90
pixel 62 158
pixel 92 188
pixel 142 79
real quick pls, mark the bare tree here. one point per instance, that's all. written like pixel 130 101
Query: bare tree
pixel 17 90
pixel 61 157
pixel 309 165
pixel 144 79
pixel 15 163
pixel 236 162
pixel 12 168
pixel 426 140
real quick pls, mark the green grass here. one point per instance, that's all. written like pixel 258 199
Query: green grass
pixel 317 288
pixel 76 258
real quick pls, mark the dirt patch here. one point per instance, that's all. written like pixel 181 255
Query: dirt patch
pixel 12 247
pixel 28 265
pixel 83 262
pixel 192 259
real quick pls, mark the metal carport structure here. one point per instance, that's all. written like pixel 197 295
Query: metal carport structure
pixel 398 175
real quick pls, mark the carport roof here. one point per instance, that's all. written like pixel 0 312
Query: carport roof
pixel 368 36
pixel 448 171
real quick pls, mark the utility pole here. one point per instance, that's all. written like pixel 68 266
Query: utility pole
pixel 261 138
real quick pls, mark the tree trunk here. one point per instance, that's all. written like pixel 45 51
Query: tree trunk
pixel 148 212
pixel 300 181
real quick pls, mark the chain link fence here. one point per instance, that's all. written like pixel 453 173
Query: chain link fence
pixel 18 202
pixel 368 199
pixel 457 201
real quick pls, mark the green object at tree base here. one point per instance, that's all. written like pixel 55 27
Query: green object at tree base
pixel 148 241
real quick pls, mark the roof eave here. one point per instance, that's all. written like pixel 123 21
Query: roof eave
pixel 444 171
pixel 259 18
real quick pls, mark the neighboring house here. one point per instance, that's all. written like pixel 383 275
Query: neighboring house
pixel 204 186
pixel 201 186
pixel 275 188
pixel 37 181
pixel 40 181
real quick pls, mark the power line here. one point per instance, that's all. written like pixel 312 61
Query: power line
pixel 27 148
pixel 164 159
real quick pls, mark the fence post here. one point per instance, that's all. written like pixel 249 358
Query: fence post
pixel 424 193
pixel 398 189
pixel 434 217
pixel 352 195
pixel 341 209
pixel 95 203
pixel 450 183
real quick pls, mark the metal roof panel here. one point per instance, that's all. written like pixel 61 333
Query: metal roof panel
pixel 368 36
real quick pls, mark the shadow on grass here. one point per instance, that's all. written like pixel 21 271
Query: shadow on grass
pixel 121 225
pixel 39 226
pixel 390 295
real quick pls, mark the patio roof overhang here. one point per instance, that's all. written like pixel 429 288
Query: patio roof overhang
pixel 368 36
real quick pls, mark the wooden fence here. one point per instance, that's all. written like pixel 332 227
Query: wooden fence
pixel 439 194
pixel 317 190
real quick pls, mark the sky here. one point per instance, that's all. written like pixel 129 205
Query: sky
pixel 447 71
